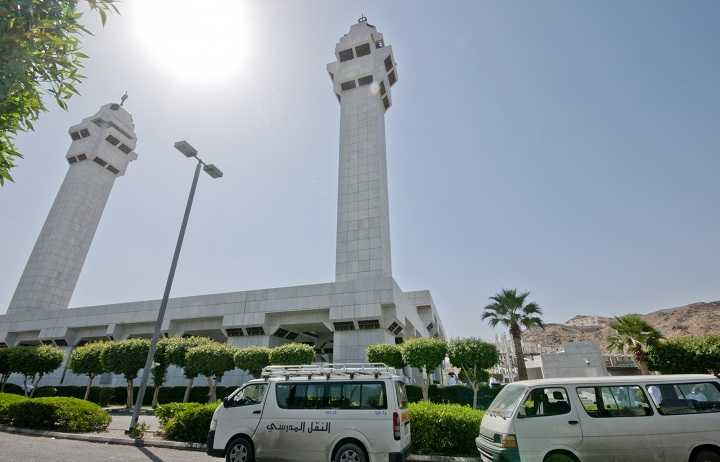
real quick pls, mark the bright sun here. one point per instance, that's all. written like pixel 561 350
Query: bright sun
pixel 192 40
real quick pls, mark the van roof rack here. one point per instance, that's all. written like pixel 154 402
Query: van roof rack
pixel 329 370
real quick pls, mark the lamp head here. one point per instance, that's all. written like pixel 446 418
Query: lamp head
pixel 186 148
pixel 213 171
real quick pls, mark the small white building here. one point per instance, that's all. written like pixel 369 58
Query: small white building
pixel 364 305
pixel 575 359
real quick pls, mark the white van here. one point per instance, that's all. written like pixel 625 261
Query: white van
pixel 320 413
pixel 652 418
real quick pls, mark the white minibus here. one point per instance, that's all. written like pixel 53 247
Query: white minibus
pixel 316 413
pixel 651 418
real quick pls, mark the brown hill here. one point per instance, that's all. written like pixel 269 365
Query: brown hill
pixel 694 319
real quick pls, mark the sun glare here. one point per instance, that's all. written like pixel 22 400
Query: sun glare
pixel 194 41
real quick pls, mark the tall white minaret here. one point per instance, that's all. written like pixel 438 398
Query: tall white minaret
pixel 362 76
pixel 101 149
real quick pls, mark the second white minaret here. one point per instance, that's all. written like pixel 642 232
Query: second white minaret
pixel 362 76
pixel 102 147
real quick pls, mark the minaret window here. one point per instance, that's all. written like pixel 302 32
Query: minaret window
pixel 72 160
pixel 388 63
pixel 386 103
pixel 346 55
pixel 367 80
pixel 382 89
pixel 84 132
pixel 113 169
pixel 112 140
pixel 75 136
pixel 349 85
pixel 82 157
pixel 124 148
pixel 99 161
pixel 392 78
pixel 362 50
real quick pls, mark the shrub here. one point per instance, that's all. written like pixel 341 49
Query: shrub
pixel 291 354
pixel 386 353
pixel 63 414
pixel 444 429
pixel 687 355
pixel 191 425
pixel 14 389
pixel 166 412
pixel 252 359
pixel 475 357
pixel 6 399
pixel 44 392
pixel 454 394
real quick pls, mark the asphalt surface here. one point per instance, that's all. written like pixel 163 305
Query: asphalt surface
pixel 23 448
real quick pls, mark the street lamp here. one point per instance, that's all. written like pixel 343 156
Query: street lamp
pixel 214 172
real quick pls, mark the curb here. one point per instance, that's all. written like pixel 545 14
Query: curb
pixel 94 438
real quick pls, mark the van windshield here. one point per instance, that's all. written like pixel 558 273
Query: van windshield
pixel 506 401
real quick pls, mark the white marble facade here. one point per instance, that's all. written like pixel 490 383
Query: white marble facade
pixel 363 306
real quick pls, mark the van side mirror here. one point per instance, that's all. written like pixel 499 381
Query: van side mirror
pixel 521 413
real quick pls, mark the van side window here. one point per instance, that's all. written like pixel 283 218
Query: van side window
pixel 685 398
pixel 251 394
pixel 333 395
pixel 546 402
pixel 616 401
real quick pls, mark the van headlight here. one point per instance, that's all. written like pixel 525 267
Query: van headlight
pixel 508 441
pixel 213 424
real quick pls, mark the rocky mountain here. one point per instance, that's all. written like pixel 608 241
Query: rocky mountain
pixel 695 319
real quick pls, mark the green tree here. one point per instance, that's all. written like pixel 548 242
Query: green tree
pixel 292 354
pixel 212 360
pixel 177 348
pixel 252 359
pixel 86 360
pixel 32 362
pixel 39 51
pixel 508 308
pixel 386 353
pixel 160 367
pixel 126 358
pixel 5 367
pixel 686 355
pixel 632 334
pixel 426 354
pixel 474 357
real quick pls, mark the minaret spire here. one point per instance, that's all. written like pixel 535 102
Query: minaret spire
pixel 362 77
pixel 102 147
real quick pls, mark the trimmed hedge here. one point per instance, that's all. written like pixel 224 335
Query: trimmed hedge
pixel 444 429
pixel 63 414
pixel 454 394
pixel 14 389
pixel 6 399
pixel 687 355
pixel 105 396
pixel 189 423
pixel 165 412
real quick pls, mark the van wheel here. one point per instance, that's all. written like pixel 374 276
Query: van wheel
pixel 239 450
pixel 350 452
pixel 559 458
pixel 706 455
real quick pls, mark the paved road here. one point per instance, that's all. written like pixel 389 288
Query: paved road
pixel 34 448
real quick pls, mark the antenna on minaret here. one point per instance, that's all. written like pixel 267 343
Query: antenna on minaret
pixel 123 98
pixel 362 18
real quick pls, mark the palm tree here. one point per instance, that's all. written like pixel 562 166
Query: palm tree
pixel 632 334
pixel 509 309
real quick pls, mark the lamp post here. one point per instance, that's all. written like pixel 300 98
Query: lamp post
pixel 186 149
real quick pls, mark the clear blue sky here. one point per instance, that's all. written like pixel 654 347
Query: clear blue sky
pixel 566 148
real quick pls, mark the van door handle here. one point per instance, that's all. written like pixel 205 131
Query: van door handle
pixel 257 412
pixel 573 422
